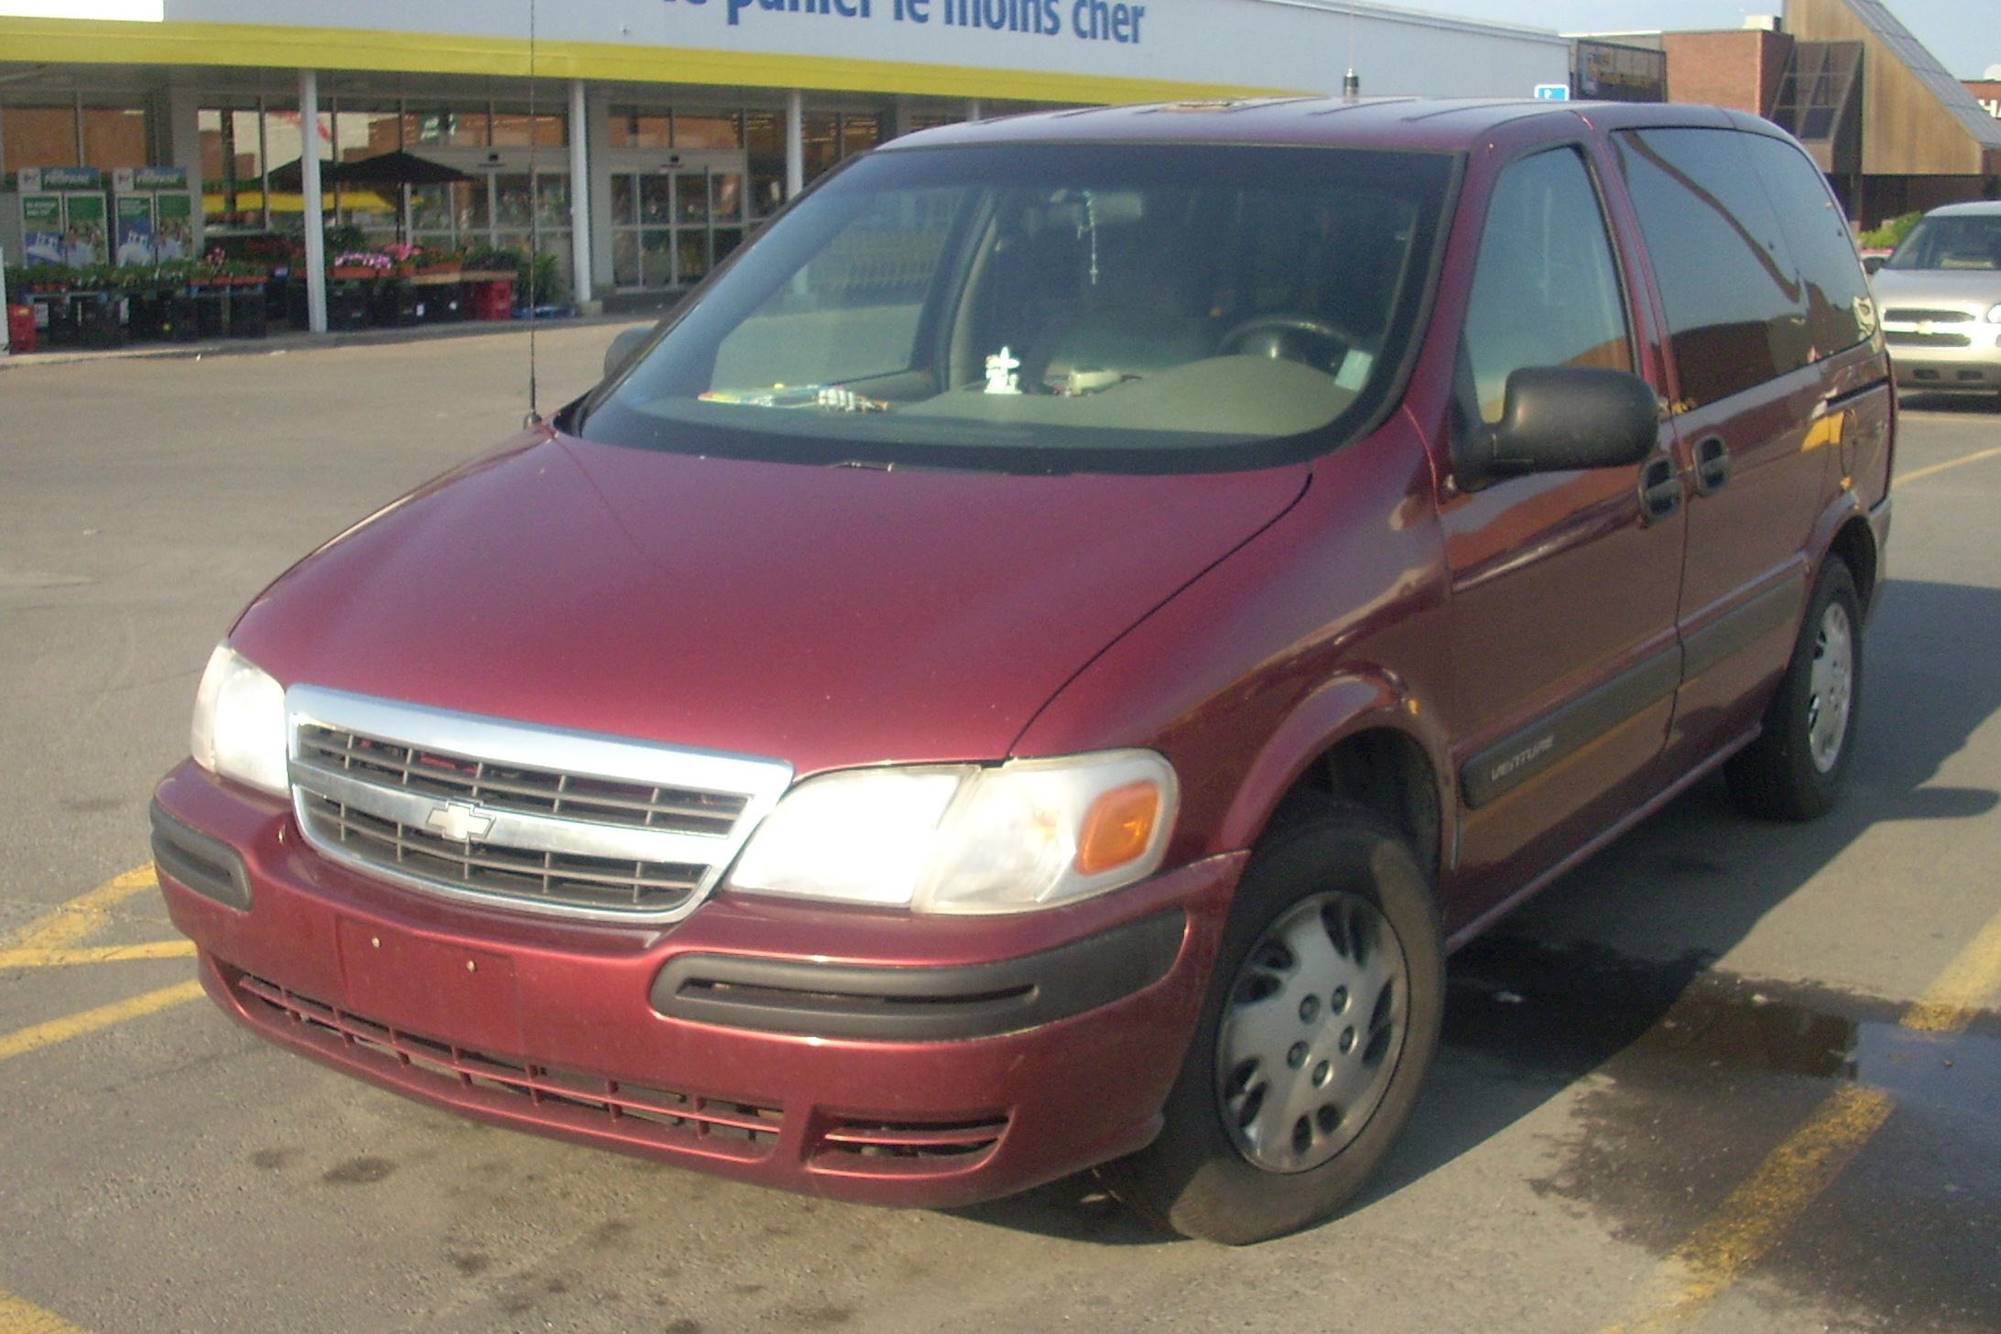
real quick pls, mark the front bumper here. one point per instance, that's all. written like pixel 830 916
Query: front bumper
pixel 1975 368
pixel 855 1054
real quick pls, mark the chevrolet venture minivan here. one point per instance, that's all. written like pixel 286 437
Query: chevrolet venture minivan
pixel 1037 663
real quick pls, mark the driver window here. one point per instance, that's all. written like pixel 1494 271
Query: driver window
pixel 1545 289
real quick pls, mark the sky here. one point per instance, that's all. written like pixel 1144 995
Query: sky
pixel 1965 35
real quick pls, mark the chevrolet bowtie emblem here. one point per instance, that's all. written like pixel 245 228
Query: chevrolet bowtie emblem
pixel 459 821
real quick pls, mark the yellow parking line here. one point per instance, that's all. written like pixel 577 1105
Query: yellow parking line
pixel 1933 470
pixel 77 954
pixel 19 1317
pixel 1951 1002
pixel 81 915
pixel 35 1038
pixel 1756 1214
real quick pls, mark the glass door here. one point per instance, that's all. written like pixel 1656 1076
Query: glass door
pixel 671 226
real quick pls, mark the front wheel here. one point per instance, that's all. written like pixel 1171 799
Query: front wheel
pixel 1320 1023
pixel 1795 769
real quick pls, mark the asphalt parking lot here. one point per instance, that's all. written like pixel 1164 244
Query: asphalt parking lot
pixel 1727 1076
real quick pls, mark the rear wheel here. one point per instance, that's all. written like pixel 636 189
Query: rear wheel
pixel 1796 767
pixel 1321 1020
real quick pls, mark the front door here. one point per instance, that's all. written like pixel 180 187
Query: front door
pixel 673 222
pixel 1564 585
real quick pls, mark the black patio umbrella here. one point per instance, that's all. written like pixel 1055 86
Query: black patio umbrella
pixel 395 168
pixel 392 168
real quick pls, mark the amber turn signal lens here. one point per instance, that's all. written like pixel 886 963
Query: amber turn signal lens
pixel 1118 828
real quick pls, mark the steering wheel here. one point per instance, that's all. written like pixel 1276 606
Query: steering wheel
pixel 1281 335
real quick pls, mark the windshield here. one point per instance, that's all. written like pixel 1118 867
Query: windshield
pixel 1053 308
pixel 1963 242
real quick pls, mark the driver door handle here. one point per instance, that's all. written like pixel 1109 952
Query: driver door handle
pixel 1660 489
pixel 1712 466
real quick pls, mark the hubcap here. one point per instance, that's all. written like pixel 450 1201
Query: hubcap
pixel 1311 1032
pixel 1831 687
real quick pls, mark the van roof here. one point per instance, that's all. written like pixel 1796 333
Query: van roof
pixel 1380 122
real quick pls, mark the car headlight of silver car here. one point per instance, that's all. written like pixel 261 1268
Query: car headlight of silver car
pixel 239 724
pixel 964 838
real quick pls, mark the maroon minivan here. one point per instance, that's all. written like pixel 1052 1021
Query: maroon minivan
pixel 1037 663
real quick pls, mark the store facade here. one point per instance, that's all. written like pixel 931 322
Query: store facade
pixel 638 142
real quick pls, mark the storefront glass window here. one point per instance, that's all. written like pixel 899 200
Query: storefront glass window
pixel 39 137
pixel 115 137
pixel 361 133
pixel 706 131
pixel 823 144
pixel 232 168
pixel 446 127
pixel 516 129
pixel 859 134
pixel 630 129
pixel 764 137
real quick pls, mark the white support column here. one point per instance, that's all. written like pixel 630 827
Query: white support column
pixel 795 143
pixel 580 194
pixel 976 110
pixel 309 189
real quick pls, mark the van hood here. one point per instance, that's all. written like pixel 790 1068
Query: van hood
pixel 823 616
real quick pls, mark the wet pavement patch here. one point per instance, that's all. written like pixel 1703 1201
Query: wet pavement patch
pixel 1689 1078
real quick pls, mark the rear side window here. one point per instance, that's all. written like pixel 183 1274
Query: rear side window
pixel 1839 310
pixel 1735 305
pixel 1545 288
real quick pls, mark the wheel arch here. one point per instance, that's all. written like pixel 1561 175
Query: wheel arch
pixel 1365 738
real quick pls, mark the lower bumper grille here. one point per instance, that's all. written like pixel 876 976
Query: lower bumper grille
pixel 1901 338
pixel 920 1144
pixel 586 1103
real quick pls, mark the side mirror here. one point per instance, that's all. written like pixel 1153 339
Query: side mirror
pixel 624 348
pixel 1561 418
pixel 1873 264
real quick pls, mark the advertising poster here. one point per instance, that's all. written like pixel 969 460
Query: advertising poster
pixel 84 239
pixel 135 229
pixel 42 229
pixel 174 226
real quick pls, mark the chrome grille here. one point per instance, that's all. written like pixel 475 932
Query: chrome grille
pixel 515 788
pixel 541 819
pixel 1904 338
pixel 1910 316
pixel 566 878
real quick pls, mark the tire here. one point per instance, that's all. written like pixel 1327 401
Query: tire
pixel 1796 768
pixel 1329 987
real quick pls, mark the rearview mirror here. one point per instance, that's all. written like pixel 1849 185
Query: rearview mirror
pixel 1873 264
pixel 1559 418
pixel 624 348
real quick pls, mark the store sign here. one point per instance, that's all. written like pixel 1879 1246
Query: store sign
pixel 1086 20
pixel 1251 44
pixel 127 179
pixel 61 178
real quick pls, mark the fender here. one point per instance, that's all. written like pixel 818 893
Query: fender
pixel 1845 508
pixel 1359 700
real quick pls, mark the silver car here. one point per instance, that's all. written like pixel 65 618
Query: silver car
pixel 1940 297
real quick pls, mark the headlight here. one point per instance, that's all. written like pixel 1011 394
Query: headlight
pixel 961 839
pixel 239 728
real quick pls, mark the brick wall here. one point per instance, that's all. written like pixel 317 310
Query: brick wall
pixel 1738 69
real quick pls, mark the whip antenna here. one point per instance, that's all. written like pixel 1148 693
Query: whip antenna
pixel 534 417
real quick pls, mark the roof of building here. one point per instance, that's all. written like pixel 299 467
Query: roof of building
pixel 1951 93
